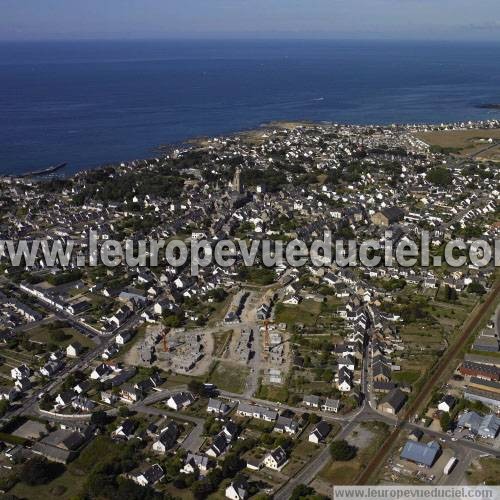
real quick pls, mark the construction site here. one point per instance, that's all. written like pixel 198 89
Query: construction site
pixel 179 350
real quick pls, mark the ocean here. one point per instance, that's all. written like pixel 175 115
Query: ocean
pixel 93 103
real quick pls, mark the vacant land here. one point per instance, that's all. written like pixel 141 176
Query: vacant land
pixel 463 142
pixel 484 471
pixel 228 377
pixel 367 438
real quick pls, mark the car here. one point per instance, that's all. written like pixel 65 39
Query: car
pixel 454 439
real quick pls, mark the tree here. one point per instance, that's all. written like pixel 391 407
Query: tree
pixel 476 287
pixel 39 470
pixel 342 450
pixel 445 421
pixel 231 465
pixel 440 176
pixel 301 491
pixel 99 418
pixel 4 406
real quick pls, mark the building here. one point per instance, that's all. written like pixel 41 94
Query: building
pixel 420 453
pixel 312 401
pixel 393 402
pixel 320 432
pixel 480 370
pixel 447 403
pixel 217 407
pixel 486 427
pixel 150 476
pixel 388 216
pixel 180 400
pixel 237 490
pixel 331 405
pixel 276 459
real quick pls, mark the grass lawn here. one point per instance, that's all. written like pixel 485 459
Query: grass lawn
pixel 221 341
pixel 484 470
pixel 306 312
pixel 347 472
pixel 229 377
pixel 42 334
pixel 406 376
pixel 273 393
pixel 65 487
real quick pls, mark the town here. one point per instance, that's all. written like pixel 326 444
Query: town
pixel 256 382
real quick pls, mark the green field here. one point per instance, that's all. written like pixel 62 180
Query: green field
pixel 229 377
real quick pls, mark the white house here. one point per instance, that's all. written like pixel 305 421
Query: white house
pixel 20 372
pixel 180 400
pixel 276 459
pixel 74 350
pixel 150 476
pixel 237 490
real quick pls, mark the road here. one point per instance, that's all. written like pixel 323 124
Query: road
pixel 310 471
pixel 194 440
pixel 477 316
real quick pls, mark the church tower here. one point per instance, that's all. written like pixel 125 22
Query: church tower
pixel 237 180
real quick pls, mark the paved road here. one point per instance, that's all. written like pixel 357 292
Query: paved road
pixel 194 440
pixel 477 315
pixel 310 471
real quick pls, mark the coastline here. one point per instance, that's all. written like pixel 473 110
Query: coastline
pixel 259 133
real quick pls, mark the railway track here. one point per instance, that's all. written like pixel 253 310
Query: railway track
pixel 426 390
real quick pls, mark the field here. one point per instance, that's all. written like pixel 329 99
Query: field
pixel 228 377
pixel 64 488
pixel 463 142
pixel 367 438
pixel 484 471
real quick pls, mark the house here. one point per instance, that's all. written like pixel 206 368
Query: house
pixel 238 489
pixel 180 400
pixel 416 435
pixel 9 393
pixel 100 371
pixel 420 453
pixel 65 398
pixel 74 350
pixel 388 216
pixel 63 445
pixel 126 429
pixel 230 430
pixel 256 411
pixel 23 371
pixel 83 404
pixel 50 368
pixel 381 372
pixel 83 387
pixel 108 397
pixel 130 394
pixel 150 476
pixel 320 432
pixel 217 407
pixel 196 462
pixel 286 425
pixel 123 337
pixel 276 459
pixel 218 446
pixel 393 402
pixel 167 438
pixel 447 403
pixel 344 383
pixel 23 384
pixel 312 401
pixel 331 405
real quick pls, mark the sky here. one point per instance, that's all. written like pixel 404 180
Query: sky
pixel 364 19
